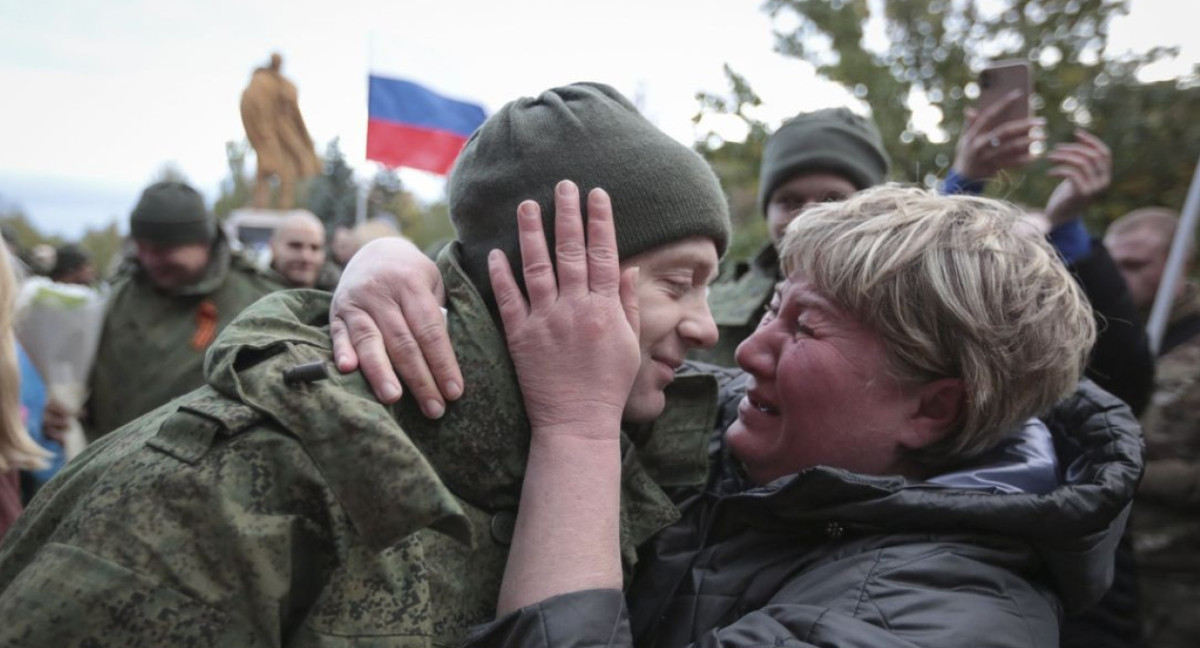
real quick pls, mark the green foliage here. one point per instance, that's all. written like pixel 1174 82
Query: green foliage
pixel 931 52
pixel 104 244
pixel 27 235
pixel 1155 138
pixel 333 195
pixel 736 163
pixel 425 225
pixel 428 227
pixel 236 190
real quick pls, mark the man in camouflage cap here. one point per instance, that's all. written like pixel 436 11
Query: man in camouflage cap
pixel 815 157
pixel 283 505
pixel 182 287
pixel 1165 524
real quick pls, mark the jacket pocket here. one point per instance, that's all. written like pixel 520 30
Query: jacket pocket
pixel 69 597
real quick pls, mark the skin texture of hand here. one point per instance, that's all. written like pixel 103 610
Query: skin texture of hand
pixel 587 314
pixel 386 312
pixel 575 346
pixel 1085 168
pixel 988 146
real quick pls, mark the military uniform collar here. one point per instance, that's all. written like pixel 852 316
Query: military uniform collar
pixel 220 259
pixel 767 261
pixel 480 444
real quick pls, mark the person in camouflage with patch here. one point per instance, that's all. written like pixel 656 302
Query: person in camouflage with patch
pixel 282 504
pixel 183 286
pixel 815 157
pixel 1166 517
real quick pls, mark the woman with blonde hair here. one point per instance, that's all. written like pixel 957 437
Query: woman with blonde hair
pixel 886 481
pixel 17 450
pixel 908 459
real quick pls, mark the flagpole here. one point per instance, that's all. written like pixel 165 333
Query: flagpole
pixel 1176 261
pixel 360 206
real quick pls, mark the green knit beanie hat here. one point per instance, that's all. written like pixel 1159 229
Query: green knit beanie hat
pixel 834 140
pixel 588 133
pixel 172 213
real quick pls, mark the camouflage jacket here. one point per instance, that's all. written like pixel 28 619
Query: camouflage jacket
pixel 153 343
pixel 738 300
pixel 1166 520
pixel 263 511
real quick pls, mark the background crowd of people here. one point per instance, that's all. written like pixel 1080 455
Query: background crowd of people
pixel 168 328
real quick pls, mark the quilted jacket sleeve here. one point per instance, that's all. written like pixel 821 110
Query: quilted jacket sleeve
pixel 598 619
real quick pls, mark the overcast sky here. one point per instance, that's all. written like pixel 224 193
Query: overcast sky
pixel 98 96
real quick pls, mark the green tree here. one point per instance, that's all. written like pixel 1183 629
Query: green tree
pixel 428 226
pixel 26 233
pixel 236 189
pixel 387 196
pixel 736 163
pixel 931 53
pixel 425 225
pixel 333 195
pixel 1152 130
pixel 104 244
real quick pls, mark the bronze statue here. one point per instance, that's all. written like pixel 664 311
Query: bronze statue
pixel 276 130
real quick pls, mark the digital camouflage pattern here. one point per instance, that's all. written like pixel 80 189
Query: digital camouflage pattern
pixel 738 300
pixel 153 343
pixel 1166 518
pixel 261 512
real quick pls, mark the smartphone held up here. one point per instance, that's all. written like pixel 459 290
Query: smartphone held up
pixel 1006 87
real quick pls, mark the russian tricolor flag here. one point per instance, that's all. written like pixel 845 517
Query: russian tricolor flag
pixel 410 125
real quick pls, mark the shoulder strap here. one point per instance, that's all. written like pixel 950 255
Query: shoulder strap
pixel 202 417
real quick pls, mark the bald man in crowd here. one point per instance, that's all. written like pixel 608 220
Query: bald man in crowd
pixel 298 253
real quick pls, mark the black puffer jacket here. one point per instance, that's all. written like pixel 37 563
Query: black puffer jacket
pixel 831 558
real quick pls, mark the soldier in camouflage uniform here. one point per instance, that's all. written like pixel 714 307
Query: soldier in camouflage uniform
pixel 1166 514
pixel 814 157
pixel 183 287
pixel 282 504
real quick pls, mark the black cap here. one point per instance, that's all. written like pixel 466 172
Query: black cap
pixel 172 213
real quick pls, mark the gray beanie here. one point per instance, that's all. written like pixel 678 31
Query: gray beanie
pixel 172 213
pixel 833 140
pixel 588 133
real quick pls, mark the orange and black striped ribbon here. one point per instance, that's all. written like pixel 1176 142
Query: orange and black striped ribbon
pixel 206 325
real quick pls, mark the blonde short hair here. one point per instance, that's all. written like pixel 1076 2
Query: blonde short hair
pixel 956 288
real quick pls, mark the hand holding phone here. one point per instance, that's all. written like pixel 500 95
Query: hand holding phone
pixel 999 132
pixel 1004 90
